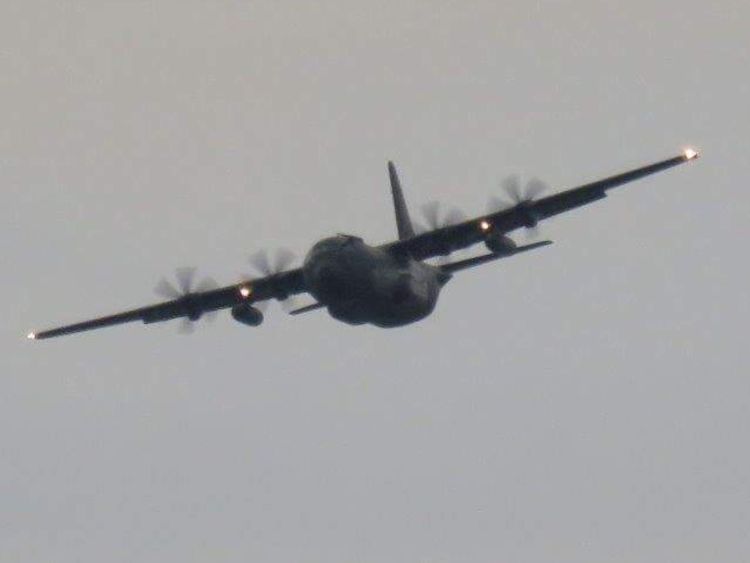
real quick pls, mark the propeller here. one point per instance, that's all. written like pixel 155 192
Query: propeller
pixel 437 218
pixel 185 290
pixel 269 267
pixel 519 196
pixel 282 259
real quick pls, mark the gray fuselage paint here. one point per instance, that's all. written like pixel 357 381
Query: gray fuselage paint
pixel 361 284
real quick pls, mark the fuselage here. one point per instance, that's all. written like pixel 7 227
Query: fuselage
pixel 361 284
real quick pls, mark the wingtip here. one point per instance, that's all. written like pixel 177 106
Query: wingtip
pixel 534 245
pixel 690 153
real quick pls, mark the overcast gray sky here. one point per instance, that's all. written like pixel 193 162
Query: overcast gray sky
pixel 587 402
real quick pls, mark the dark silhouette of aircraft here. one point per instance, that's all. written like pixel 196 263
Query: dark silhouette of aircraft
pixel 388 285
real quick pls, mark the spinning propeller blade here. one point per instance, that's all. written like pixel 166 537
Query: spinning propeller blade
pixel 437 218
pixel 184 290
pixel 283 258
pixel 518 195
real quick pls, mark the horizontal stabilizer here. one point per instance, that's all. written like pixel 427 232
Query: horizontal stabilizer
pixel 478 260
pixel 307 308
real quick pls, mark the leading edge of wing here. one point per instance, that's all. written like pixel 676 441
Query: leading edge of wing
pixel 593 191
pixel 454 237
pixel 192 306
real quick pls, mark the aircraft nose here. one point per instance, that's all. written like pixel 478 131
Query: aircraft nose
pixel 402 290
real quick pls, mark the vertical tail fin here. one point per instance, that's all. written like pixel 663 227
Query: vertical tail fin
pixel 403 222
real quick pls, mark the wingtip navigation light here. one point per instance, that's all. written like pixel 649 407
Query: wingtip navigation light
pixel 690 153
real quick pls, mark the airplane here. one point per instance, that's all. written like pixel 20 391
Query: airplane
pixel 389 285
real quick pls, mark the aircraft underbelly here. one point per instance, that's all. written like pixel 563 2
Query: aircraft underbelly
pixel 360 284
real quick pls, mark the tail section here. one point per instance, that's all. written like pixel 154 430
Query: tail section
pixel 403 222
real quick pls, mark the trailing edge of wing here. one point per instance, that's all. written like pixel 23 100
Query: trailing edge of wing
pixel 479 260
pixel 576 197
pixel 191 307
pixel 101 322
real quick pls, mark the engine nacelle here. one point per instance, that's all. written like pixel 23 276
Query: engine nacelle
pixel 247 314
pixel 499 243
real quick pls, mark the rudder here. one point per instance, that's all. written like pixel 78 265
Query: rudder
pixel 403 221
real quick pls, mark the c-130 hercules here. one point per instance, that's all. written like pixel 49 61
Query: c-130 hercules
pixel 388 285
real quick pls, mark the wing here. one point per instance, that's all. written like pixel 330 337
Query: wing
pixel 448 239
pixel 192 306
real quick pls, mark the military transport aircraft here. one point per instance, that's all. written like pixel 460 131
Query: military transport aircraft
pixel 387 285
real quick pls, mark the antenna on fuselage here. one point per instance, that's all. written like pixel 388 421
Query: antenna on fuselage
pixel 403 222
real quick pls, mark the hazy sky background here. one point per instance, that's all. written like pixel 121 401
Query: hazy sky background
pixel 588 402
